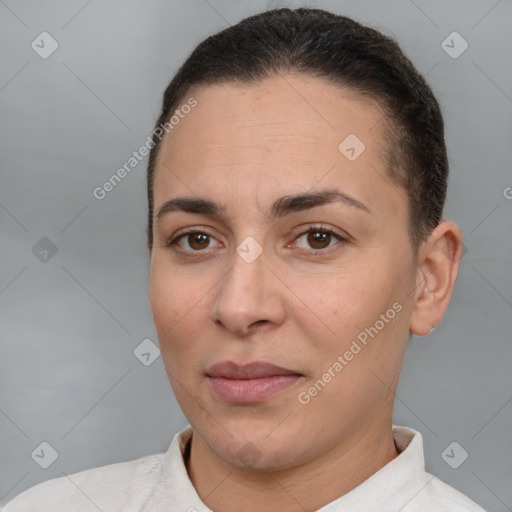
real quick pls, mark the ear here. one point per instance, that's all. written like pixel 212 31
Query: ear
pixel 438 260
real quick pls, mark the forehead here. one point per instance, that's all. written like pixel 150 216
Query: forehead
pixel 294 104
pixel 282 131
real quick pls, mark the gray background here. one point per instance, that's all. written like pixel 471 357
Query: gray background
pixel 69 325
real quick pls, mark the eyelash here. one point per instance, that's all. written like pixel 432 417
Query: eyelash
pixel 311 228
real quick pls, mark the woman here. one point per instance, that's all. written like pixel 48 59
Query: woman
pixel 296 185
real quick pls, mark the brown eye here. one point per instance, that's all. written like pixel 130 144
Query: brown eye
pixel 198 241
pixel 319 238
pixel 193 240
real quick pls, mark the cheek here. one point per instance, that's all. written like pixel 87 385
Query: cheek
pixel 163 300
pixel 173 298
pixel 181 305
pixel 347 304
pixel 343 301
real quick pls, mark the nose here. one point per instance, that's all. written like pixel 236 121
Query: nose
pixel 248 296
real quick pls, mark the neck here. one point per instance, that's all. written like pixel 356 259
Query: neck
pixel 310 486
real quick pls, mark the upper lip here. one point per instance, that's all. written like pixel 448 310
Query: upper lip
pixel 254 370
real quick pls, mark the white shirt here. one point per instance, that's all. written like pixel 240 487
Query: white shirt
pixel 160 483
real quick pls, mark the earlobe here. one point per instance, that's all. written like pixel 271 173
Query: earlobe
pixel 439 259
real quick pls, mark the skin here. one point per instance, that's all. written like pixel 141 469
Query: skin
pixel 294 306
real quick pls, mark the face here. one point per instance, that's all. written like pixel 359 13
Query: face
pixel 282 321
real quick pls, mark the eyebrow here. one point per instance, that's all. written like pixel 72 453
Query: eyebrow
pixel 280 208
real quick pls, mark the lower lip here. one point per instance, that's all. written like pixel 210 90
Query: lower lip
pixel 251 390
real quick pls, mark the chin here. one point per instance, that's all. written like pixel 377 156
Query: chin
pixel 255 443
pixel 260 455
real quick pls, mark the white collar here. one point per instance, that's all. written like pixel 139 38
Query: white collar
pixel 403 476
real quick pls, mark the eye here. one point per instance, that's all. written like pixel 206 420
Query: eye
pixel 196 239
pixel 320 238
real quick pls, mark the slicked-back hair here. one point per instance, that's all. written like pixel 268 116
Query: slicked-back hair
pixel 321 44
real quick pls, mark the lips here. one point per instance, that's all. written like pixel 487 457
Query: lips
pixel 256 370
pixel 250 383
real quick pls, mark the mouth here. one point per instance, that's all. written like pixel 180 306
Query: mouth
pixel 250 383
